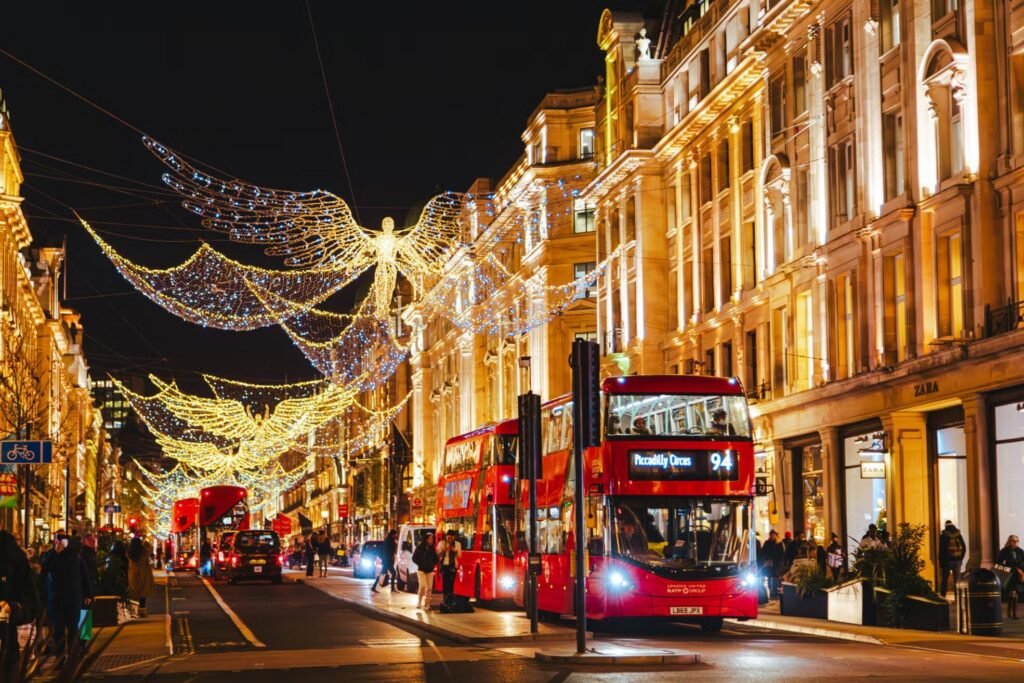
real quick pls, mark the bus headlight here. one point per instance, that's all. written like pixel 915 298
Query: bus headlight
pixel 618 581
pixel 750 580
pixel 507 582
pixel 366 563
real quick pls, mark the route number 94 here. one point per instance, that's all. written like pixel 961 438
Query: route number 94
pixel 721 461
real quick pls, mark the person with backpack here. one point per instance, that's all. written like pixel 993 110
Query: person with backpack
pixel 952 551
pixel 19 602
pixel 425 559
pixel 448 552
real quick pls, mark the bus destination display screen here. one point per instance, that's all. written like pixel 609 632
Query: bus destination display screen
pixel 666 465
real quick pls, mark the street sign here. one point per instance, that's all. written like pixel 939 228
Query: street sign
pixel 26 452
pixel 112 507
pixel 343 510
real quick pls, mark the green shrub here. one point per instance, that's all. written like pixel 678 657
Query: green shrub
pixel 809 579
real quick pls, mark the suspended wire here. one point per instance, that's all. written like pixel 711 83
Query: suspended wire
pixel 334 117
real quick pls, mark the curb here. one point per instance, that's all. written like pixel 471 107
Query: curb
pixel 595 658
pixel 440 630
pixel 809 631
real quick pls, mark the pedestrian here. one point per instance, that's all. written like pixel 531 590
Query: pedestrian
pixel 796 548
pixel 449 551
pixel 19 602
pixel 425 559
pixel 387 562
pixel 871 540
pixel 774 554
pixel 1011 560
pixel 140 573
pixel 310 551
pixel 205 556
pixel 325 552
pixel 952 551
pixel 835 557
pixel 159 554
pixel 89 557
pixel 70 592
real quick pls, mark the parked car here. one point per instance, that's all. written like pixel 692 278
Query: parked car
pixel 367 563
pixel 409 536
pixel 255 555
pixel 220 564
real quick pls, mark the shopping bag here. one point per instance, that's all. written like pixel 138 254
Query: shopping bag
pixel 85 625
pixel 316 557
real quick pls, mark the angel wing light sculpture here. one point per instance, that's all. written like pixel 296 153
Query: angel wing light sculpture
pixel 316 230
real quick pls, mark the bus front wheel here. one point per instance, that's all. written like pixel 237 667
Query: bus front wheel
pixel 711 625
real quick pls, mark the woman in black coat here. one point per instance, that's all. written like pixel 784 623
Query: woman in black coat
pixel 1012 557
pixel 19 601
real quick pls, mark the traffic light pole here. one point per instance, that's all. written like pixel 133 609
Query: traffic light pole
pixel 585 363
pixel 530 460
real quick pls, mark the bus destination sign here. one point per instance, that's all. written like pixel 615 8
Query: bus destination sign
pixel 651 465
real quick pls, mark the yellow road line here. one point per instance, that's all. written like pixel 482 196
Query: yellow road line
pixel 239 624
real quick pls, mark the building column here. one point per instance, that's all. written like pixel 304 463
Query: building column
pixel 832 466
pixel 980 538
pixel 909 480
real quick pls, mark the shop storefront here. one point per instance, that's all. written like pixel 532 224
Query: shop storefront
pixel 865 457
pixel 1007 433
pixel 808 486
pixel 947 444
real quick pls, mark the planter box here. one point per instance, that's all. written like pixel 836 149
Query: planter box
pixel 104 610
pixel 927 615
pixel 812 607
pixel 852 602
pixel 918 613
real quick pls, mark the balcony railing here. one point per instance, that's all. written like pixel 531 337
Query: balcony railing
pixel 1004 318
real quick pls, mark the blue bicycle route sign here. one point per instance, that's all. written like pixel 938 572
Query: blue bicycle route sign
pixel 26 452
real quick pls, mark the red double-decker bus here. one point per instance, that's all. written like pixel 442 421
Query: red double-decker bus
pixel 184 514
pixel 221 508
pixel 669 504
pixel 476 498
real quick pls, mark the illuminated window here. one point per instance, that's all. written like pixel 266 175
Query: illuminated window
pixel 951 288
pixel 838 51
pixel 706 192
pixel 747 146
pixel 894 290
pixel 780 351
pixel 803 347
pixel 723 165
pixel 844 315
pixel 777 103
pixel 584 221
pixel 889 24
pixel 582 270
pixel 892 145
pixel 586 143
pixel 799 85
pixel 842 182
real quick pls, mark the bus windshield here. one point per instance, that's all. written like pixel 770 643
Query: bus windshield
pixel 676 415
pixel 681 532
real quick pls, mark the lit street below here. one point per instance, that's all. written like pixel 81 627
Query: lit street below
pixel 305 629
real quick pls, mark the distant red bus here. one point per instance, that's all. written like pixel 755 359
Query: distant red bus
pixel 669 512
pixel 476 498
pixel 221 508
pixel 184 514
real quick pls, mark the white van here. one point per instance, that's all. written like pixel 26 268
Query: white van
pixel 409 536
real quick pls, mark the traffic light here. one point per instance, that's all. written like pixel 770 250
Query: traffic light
pixel 586 389
pixel 133 523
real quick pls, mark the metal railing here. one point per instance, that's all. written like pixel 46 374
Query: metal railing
pixel 1003 318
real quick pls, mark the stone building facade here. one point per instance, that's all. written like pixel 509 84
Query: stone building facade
pixel 830 194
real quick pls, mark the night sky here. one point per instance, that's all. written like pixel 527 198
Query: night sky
pixel 428 96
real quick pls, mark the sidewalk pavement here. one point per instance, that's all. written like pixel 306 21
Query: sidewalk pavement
pixel 133 645
pixel 481 626
pixel 1008 645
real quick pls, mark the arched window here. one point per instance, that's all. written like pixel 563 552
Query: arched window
pixel 945 87
pixel 778 232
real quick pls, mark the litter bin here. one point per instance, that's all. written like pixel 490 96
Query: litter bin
pixel 979 610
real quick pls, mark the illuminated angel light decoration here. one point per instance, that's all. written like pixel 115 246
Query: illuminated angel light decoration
pixel 317 229
pixel 489 299
pixel 213 290
pixel 359 349
pixel 360 428
pixel 226 424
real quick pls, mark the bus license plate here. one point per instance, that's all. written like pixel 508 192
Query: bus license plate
pixel 257 570
pixel 685 611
